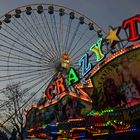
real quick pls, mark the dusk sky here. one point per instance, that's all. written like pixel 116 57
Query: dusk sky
pixel 104 12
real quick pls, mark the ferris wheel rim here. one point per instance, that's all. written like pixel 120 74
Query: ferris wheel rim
pixel 56 5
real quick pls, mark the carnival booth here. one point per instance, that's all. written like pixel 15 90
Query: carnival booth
pixel 100 99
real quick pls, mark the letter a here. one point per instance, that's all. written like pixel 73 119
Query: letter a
pixel 72 77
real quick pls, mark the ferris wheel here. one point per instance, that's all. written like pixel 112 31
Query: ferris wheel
pixel 35 38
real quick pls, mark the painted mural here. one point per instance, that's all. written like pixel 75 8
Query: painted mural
pixel 117 84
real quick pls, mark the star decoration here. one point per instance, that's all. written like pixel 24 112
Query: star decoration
pixel 113 36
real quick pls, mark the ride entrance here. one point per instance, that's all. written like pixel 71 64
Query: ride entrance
pixel 89 84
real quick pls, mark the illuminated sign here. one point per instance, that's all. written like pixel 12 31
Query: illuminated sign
pixel 59 88
pixel 61 85
pixel 84 61
pixel 132 25
pixel 113 36
pixel 52 90
pixel 96 48
pixel 72 77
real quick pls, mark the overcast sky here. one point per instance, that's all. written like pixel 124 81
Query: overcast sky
pixel 104 12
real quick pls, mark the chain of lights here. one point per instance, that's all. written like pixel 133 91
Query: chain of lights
pixel 117 119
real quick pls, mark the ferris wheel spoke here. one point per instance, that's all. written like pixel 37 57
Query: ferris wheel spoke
pixel 43 52
pixel 49 45
pixel 54 32
pixel 18 66
pixel 38 31
pixel 30 79
pixel 12 46
pixel 24 65
pixel 14 60
pixel 25 82
pixel 19 57
pixel 35 77
pixel 78 40
pixel 76 57
pixel 50 52
pixel 17 50
pixel 31 35
pixel 61 35
pixel 27 22
pixel 73 37
pixel 57 36
pixel 17 39
pixel 19 43
pixel 47 33
pixel 22 74
pixel 46 79
pixel 17 78
pixel 51 35
pixel 67 33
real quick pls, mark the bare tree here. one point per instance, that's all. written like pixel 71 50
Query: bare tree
pixel 16 96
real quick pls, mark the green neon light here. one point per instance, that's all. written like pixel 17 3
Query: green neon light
pixel 72 77
pixel 96 48
pixel 100 113
pixel 107 123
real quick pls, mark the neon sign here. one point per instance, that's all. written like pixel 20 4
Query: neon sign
pixel 84 61
pixel 58 90
pixel 50 92
pixel 72 77
pixel 96 48
pixel 60 84
pixel 132 25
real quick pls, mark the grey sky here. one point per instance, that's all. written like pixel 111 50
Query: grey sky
pixel 104 12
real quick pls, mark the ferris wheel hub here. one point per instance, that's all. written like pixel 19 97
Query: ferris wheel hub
pixel 65 60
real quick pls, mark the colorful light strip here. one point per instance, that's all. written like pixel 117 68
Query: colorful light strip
pixel 113 56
